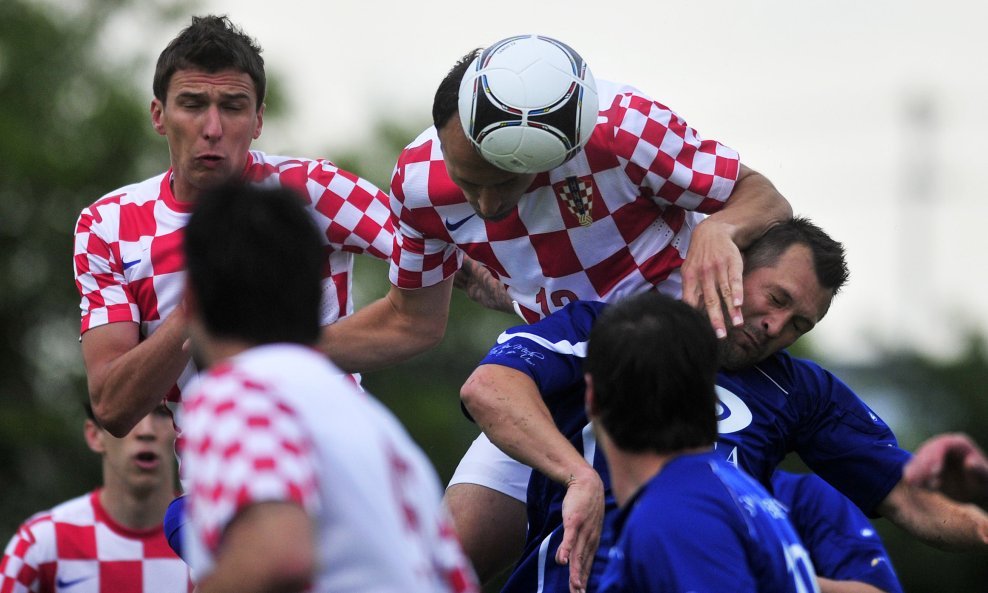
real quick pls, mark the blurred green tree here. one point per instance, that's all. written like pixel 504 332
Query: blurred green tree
pixel 72 126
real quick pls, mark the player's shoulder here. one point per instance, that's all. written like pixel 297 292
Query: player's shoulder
pixel 572 323
pixel 135 193
pixel 423 148
pixel 41 526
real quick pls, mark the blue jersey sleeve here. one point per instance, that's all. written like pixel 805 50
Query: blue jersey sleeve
pixel 841 541
pixel 550 351
pixel 842 439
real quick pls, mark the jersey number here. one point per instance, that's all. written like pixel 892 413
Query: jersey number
pixel 559 299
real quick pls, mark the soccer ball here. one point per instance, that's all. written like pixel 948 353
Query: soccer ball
pixel 528 103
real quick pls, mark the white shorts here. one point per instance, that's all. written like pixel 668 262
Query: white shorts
pixel 486 465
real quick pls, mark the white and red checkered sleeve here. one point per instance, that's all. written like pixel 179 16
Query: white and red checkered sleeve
pixel 351 211
pixel 421 256
pixel 243 446
pixel 29 561
pixel 98 269
pixel 666 157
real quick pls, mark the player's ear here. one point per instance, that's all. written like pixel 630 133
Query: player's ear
pixel 94 436
pixel 260 121
pixel 589 400
pixel 157 116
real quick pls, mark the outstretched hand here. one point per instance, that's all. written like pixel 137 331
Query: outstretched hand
pixel 712 276
pixel 952 464
pixel 583 520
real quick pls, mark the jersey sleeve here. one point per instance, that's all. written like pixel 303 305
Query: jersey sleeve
pixel 351 211
pixel 105 295
pixel 841 541
pixel 550 351
pixel 667 158
pixel 29 560
pixel 243 446
pixel 420 258
pixel 843 440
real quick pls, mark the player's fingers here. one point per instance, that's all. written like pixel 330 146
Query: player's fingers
pixel 735 295
pixel 565 547
pixel 577 574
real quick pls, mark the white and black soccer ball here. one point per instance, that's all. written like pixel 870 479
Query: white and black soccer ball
pixel 528 103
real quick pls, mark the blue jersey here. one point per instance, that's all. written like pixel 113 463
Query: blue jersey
pixel 703 525
pixel 782 404
pixel 842 543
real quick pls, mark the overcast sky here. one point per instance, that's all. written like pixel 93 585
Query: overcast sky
pixel 867 114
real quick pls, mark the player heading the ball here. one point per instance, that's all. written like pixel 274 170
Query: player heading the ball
pixel 528 103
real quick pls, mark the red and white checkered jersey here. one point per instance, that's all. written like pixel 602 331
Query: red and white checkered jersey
pixel 279 423
pixel 614 220
pixel 129 264
pixel 77 547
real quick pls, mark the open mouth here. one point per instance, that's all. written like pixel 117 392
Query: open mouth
pixel 147 460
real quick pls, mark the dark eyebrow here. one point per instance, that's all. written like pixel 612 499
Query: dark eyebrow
pixel 224 97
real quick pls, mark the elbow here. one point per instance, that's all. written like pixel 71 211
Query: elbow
pixel 110 420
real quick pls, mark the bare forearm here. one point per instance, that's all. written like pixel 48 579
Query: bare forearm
pixel 125 388
pixel 830 586
pixel 389 330
pixel 508 408
pixel 754 207
pixel 935 519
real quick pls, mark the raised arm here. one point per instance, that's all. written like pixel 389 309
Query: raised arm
pixel 713 266
pixel 392 329
pixel 128 377
pixel 507 406
pixel 935 519
pixel 953 464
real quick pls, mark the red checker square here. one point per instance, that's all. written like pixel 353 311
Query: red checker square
pixel 483 253
pixel 295 178
pixel 329 204
pixel 658 267
pixel 96 248
pixel 634 219
pixel 137 220
pixel 670 192
pixel 663 165
pixel 727 168
pixel 113 573
pixel 75 542
pixel 506 229
pixel 701 184
pixel 442 190
pixel 166 253
pixel 144 295
pixel 555 254
pixel 686 156
pixel 606 274
pixel 157 547
pixel 432 261
pixel 367 229
pixel 429 223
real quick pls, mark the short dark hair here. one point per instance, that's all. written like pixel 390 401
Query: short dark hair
pixel 829 261
pixel 653 363
pixel 255 262
pixel 446 102
pixel 211 44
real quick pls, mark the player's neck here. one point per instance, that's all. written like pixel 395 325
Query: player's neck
pixel 136 509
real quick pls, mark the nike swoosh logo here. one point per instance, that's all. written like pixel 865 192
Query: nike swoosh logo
pixel 131 264
pixel 65 584
pixel 452 226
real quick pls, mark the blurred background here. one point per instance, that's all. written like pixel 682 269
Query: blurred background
pixel 867 116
